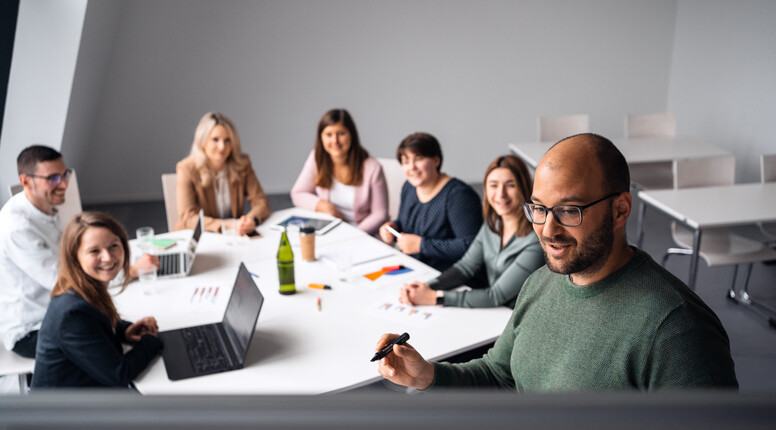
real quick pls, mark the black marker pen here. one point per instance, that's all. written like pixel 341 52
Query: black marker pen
pixel 388 348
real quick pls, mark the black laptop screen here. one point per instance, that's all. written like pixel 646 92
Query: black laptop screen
pixel 242 312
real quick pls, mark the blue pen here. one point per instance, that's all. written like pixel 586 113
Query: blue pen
pixel 254 275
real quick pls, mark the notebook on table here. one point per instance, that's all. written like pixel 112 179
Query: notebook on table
pixel 218 347
pixel 175 264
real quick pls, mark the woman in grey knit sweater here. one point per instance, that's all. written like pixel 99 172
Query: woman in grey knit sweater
pixel 506 250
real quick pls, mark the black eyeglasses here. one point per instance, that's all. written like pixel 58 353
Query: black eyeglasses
pixel 566 215
pixel 56 178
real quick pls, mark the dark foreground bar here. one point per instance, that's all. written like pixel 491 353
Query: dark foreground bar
pixel 470 410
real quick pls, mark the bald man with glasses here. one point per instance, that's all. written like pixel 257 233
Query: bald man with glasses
pixel 601 315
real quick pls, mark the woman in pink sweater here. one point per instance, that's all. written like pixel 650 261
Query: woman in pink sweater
pixel 339 177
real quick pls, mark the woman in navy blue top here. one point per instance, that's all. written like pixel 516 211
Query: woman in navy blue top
pixel 439 216
pixel 79 342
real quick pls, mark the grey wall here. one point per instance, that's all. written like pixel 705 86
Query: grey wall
pixel 97 37
pixel 48 34
pixel 475 74
pixel 723 77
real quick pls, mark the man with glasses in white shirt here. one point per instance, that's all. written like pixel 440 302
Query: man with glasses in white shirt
pixel 602 315
pixel 30 230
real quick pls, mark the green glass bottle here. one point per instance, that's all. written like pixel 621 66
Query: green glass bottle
pixel 286 266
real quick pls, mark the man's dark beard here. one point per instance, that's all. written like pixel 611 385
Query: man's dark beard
pixel 591 257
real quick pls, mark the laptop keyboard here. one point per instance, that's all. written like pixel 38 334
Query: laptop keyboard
pixel 204 350
pixel 169 264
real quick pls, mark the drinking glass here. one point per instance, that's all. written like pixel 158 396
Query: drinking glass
pixel 145 238
pixel 146 274
pixel 229 230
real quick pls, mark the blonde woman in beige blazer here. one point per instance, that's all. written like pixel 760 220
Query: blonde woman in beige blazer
pixel 216 160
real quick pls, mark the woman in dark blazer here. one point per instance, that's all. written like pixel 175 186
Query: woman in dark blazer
pixel 80 339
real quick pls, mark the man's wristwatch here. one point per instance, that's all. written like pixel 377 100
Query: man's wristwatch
pixel 440 296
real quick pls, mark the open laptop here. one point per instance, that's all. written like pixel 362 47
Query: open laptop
pixel 175 264
pixel 219 347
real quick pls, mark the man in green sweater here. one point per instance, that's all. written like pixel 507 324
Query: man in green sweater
pixel 601 315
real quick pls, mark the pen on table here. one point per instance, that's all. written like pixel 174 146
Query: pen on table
pixel 215 294
pixel 319 286
pixel 393 231
pixel 196 290
pixel 209 290
pixel 201 294
pixel 318 303
pixel 388 348
pixel 254 275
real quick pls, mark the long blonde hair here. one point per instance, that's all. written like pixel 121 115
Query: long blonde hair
pixel 72 275
pixel 236 163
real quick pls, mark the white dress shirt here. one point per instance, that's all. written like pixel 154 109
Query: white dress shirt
pixel 29 248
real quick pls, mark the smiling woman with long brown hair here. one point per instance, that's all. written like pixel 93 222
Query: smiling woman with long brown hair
pixel 339 177
pixel 80 339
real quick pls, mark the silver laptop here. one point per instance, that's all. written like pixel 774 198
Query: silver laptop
pixel 176 264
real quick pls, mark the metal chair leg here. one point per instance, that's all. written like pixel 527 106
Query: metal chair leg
pixel 671 251
pixel 23 387
pixel 732 289
pixel 744 290
pixel 744 298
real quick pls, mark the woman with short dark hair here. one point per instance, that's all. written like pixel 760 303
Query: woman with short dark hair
pixel 439 216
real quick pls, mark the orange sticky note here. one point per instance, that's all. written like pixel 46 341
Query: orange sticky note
pixel 374 275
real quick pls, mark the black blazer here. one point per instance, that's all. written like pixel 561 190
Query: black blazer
pixel 77 347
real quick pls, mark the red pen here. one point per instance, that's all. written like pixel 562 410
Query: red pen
pixel 201 294
pixel 194 295
pixel 215 294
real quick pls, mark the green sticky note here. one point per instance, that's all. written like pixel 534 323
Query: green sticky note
pixel 163 243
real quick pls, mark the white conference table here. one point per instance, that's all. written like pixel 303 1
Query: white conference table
pixel 709 207
pixel 296 348
pixel 637 150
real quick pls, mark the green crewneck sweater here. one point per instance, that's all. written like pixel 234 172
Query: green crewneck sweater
pixel 640 327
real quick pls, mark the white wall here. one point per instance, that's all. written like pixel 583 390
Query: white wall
pixel 723 77
pixel 48 34
pixel 475 74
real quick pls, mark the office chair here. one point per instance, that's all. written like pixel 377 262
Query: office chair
pixel 170 191
pixel 651 175
pixel 553 129
pixel 394 180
